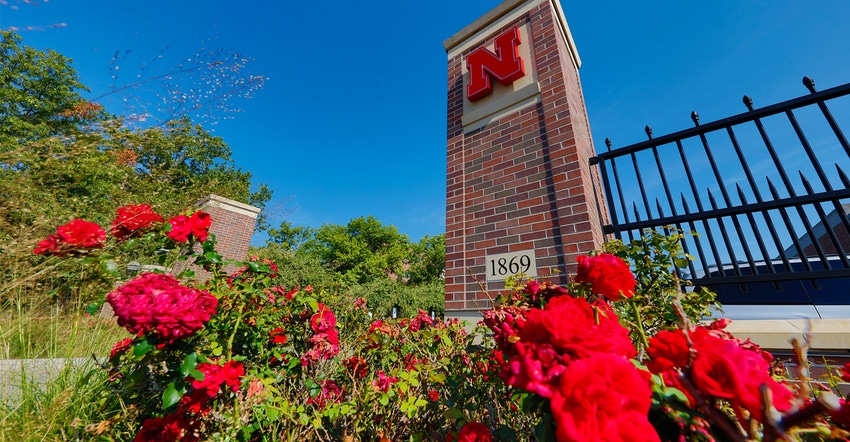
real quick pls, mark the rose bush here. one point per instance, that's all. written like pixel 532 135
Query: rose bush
pixel 242 357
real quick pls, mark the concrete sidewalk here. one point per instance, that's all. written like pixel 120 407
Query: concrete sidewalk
pixel 38 372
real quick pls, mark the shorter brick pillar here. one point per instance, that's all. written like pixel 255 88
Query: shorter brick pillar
pixel 232 224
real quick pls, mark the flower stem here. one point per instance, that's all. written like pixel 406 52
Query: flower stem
pixel 639 322
pixel 232 336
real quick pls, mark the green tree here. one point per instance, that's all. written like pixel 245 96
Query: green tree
pixel 363 250
pixel 427 260
pixel 364 258
pixel 289 237
pixel 38 91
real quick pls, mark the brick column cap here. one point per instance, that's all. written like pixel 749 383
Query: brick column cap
pixel 230 205
pixel 505 8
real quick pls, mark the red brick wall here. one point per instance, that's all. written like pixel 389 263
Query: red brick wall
pixel 522 182
pixel 233 225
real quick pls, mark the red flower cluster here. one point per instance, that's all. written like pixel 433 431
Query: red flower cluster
pixel 120 347
pixel 325 341
pixel 569 328
pixel 472 432
pixel 277 336
pixel 357 365
pixel 331 393
pixel 197 225
pixel 171 428
pixel 603 397
pixel 722 367
pixel 545 291
pixel 215 375
pixel 608 276
pixel 77 234
pixel 384 382
pixel 576 354
pixel 158 303
pixel 133 220
pixel 421 318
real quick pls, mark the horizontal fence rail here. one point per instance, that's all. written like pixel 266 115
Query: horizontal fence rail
pixel 765 191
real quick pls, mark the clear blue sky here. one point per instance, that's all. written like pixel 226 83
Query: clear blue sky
pixel 336 135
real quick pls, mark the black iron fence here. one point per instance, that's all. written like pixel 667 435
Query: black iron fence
pixel 765 190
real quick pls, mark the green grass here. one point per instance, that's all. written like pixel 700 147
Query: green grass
pixel 56 400
pixel 28 336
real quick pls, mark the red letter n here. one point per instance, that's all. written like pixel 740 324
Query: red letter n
pixel 505 65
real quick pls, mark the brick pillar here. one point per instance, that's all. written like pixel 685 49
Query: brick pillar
pixel 519 186
pixel 233 224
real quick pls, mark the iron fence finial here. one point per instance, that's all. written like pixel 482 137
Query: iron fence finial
pixel 748 102
pixel 648 131
pixel 608 144
pixel 695 117
pixel 809 83
pixel 842 175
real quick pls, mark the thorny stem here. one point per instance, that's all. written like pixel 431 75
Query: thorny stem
pixel 641 331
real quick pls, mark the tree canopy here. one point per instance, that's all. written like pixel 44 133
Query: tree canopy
pixel 373 260
pixel 38 89
pixel 62 157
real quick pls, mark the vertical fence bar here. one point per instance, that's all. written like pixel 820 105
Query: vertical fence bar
pixel 825 222
pixel 700 252
pixel 810 85
pixel 614 221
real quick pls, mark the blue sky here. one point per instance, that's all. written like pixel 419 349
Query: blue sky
pixel 351 121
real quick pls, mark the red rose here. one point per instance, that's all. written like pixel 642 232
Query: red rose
pixel 324 320
pixel 383 382
pixel 197 225
pixel 278 336
pixel 331 393
pixel 357 365
pixel 578 328
pixel 842 415
pixel 120 347
pixel 667 350
pixel 77 234
pixel 171 428
pixel 603 398
pixel 474 432
pixel 733 370
pixel 48 246
pixel 158 303
pixel 81 233
pixel 608 276
pixel 215 375
pixel 133 220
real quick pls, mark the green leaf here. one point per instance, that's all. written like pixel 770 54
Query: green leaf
pixel 272 413
pixel 172 394
pixel 545 429
pixel 213 258
pixel 453 413
pixel 142 347
pixel 197 375
pixel 189 364
pixel 110 267
pixel 313 303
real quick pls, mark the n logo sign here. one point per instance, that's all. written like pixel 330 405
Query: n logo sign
pixel 505 65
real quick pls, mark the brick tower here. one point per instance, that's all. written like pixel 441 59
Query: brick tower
pixel 520 191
